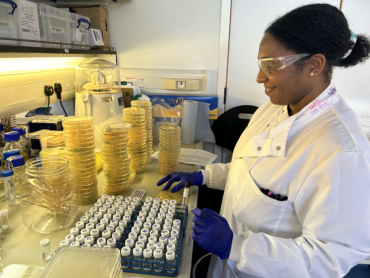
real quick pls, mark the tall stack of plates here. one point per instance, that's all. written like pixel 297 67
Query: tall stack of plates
pixel 116 159
pixel 52 139
pixel 169 149
pixel 80 150
pixel 137 138
pixel 147 105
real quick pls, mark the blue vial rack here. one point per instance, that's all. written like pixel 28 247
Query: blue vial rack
pixel 181 214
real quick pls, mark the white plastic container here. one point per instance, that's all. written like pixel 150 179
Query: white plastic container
pixel 55 26
pixel 80 31
pixel 9 22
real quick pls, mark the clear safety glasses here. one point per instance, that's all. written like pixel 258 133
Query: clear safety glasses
pixel 271 66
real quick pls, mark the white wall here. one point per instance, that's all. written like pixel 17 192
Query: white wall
pixel 166 34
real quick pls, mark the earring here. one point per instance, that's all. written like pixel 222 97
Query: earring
pixel 311 73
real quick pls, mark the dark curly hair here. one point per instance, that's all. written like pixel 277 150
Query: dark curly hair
pixel 319 28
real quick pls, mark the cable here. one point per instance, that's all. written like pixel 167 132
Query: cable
pixel 196 264
pixel 48 91
pixel 61 104
pixel 47 109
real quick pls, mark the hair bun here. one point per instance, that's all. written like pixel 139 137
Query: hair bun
pixel 359 54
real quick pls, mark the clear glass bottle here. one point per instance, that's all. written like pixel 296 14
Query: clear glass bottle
pixel 8 153
pixel 125 253
pixel 137 257
pixel 147 261
pixel 8 180
pixel 2 142
pixel 19 168
pixel 45 247
pixel 12 142
pixel 5 219
pixel 171 261
pixel 158 259
pixel 23 139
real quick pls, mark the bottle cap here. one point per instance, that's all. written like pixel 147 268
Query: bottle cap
pixel 157 205
pixel 148 253
pixel 170 255
pixel 144 232
pixel 149 204
pixel 75 243
pixel 84 219
pixel 85 245
pixel 167 227
pixel 4 212
pixel 70 238
pixel 89 240
pixel 80 225
pixel 158 253
pixel 123 223
pixel 154 209
pixel 119 212
pixel 165 201
pixel 172 240
pixel 106 234
pixel 110 228
pixel 138 224
pixel 44 242
pixel 129 243
pixel 105 197
pixel 125 251
pixel 116 236
pixel 99 206
pixel 128 199
pixel 122 207
pixel 140 244
pixel 120 230
pixel 159 245
pixel 168 220
pixel 157 200
pixel 74 231
pixel 138 251
pixel 162 215
pixel 89 214
pixel 173 202
pixel 174 233
pixel 102 209
pixel 102 241
pixel 104 221
pixel 172 211
pixel 152 214
pixel 93 220
pixel 163 239
pixel 176 228
pixel 150 219
pixel 135 230
pixel 147 225
pixel 64 243
pixel 158 220
pixel 80 239
pixel 9 153
pixel 7 173
pixel 169 216
pixel 108 216
pixel 145 208
pixel 132 235
pixel 177 222
pixel 1 127
pixel 152 239
pixel 119 198
pixel 111 211
pixel 127 218
pixel 142 238
pixel 149 199
pixel 154 233
pixel 117 217
pixel 128 212
pixel 94 233
pixel 90 226
pixel 94 209
pixel 21 131
pixel 85 232
pixel 100 227
pixel 11 136
pixel 165 233
pixel 156 227
pixel 16 160
pixel 143 213
pixel 136 199
pixel 141 218
pixel 111 197
pixel 171 247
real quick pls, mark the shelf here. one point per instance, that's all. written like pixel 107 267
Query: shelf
pixel 42 50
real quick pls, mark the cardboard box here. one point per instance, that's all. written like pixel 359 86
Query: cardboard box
pixel 126 93
pixel 98 18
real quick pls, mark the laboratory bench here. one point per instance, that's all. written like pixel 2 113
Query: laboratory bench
pixel 21 245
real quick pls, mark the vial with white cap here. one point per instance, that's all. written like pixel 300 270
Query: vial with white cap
pixel 164 205
pixel 167 227
pixel 173 241
pixel 177 222
pixel 128 199
pixel 98 205
pixel 107 206
pixel 172 211
pixel 157 205
pixel 158 260
pixel 105 197
pixel 141 218
pixel 100 227
pixel 98 215
pixel 45 247
pixel 156 227
pixel 169 216
pixel 163 240
pixel 135 230
pixel 117 202
pixel 165 233
pixel 152 214
pixel 171 247
pixel 101 241
pixel 80 239
pixel 154 233
pixel 147 225
pixel 119 198
pixel 145 208
pixel 168 221
pixel 143 213
pixel 149 199
pixel 149 204
pixel 150 219
pixel 84 219
pixel 114 222
pixel 100 200
pixel 94 233
pixel 122 223
pixel 117 217
pixel 85 245
pixel 127 218
pixel 132 236
pixel 112 242
pixel 176 228
pixel 89 240
pixel 120 230
pixel 152 239
pixel 104 221
pixel 175 233
pixel 85 232
pixel 108 216
pixel 89 214
pixel 158 220
pixel 80 225
pixel 135 203
pixel 74 231
pixel 163 210
pixel 151 245
pixel 116 206
pixel 106 234
pixel 142 238
pixel 166 201
pixel 125 253
pixel 96 246
pixel 103 210
pixel 156 200
pixel 119 212
pixel 140 244
pixel 126 203
pixel 162 215
pixel 160 246
pixel 94 209
pixel 64 243
pixel 123 207
pixel 144 232
pixel 110 228
pixel 129 243
pixel 70 238
pixel 171 261
pixel 75 244
pixel 136 264
pixel 116 236
pixel 147 261
pixel 90 226
pixel 112 197
pixel 136 199
pixel 138 224
pixel 111 211
pixel 173 202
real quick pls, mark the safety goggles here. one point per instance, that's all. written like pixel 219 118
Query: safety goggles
pixel 272 66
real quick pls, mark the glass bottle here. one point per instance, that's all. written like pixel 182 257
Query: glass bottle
pixel 158 259
pixel 9 153
pixel 137 257
pixel 4 218
pixel 19 168
pixel 12 143
pixel 23 139
pixel 125 252
pixel 45 247
pixel 8 180
pixel 171 261
pixel 147 262
pixel 2 195
pixel 2 142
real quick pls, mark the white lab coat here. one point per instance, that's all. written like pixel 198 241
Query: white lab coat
pixel 320 159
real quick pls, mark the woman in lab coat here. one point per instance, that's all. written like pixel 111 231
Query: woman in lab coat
pixel 297 192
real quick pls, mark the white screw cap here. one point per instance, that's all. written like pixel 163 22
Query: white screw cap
pixel 80 239
pixel 173 202
pixel 148 253
pixel 154 233
pixel 75 244
pixel 80 225
pixel 129 243
pixel 70 238
pixel 116 236
pixel 157 200
pixel 120 230
pixel 44 242
pixel 158 253
pixel 74 231
pixel 140 244
pixel 163 239
pixel 170 255
pixel 177 222
pixel 171 247
pixel 153 239
pixel 112 242
pixel 159 246
pixel 142 238
pixel 151 245
pixel 174 233
pixel 125 251
pixel 106 234
pixel 149 199
pixel 102 241
pixel 156 227
pixel 132 235
pixel 122 223
pixel 144 232
pixel 63 243
pixel 138 251
pixel 172 240
pixel 100 227
pixel 85 232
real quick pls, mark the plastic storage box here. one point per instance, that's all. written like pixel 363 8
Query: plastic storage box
pixel 84 262
pixel 55 26
pixel 80 31
pixel 8 21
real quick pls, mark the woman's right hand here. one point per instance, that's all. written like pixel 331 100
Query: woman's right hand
pixel 195 178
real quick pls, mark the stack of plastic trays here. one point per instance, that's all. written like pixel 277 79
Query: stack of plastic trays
pixel 116 159
pixel 169 149
pixel 137 138
pixel 80 150
pixel 147 105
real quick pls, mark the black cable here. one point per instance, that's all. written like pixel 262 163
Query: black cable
pixel 47 109
pixel 61 104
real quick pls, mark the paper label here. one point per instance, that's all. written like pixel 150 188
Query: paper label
pixel 97 37
pixel 186 192
pixel 57 30
pixel 4 24
pixel 28 23
pixel 78 35
pixel 106 99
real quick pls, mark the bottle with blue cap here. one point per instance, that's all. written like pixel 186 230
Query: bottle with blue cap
pixel 12 142
pixel 23 139
pixel 8 179
pixel 19 168
pixel 7 154
pixel 2 142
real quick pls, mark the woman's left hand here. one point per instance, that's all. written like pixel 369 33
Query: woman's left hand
pixel 212 232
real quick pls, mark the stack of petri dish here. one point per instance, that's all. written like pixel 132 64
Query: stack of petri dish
pixel 80 150
pixel 116 159
pixel 147 105
pixel 169 149
pixel 137 138
pixel 52 139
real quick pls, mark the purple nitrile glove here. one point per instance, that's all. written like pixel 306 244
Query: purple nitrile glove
pixel 195 178
pixel 212 232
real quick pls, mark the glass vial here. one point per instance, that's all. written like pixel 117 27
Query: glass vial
pixel 171 261
pixel 158 259
pixel 137 257
pixel 8 180
pixel 147 263
pixel 4 217
pixel 45 247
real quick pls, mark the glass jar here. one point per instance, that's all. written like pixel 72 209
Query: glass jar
pixel 19 168
pixel 2 142
pixel 23 139
pixel 12 142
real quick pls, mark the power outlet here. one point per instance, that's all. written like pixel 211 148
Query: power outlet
pixel 181 84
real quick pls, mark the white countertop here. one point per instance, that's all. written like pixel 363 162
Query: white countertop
pixel 21 245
